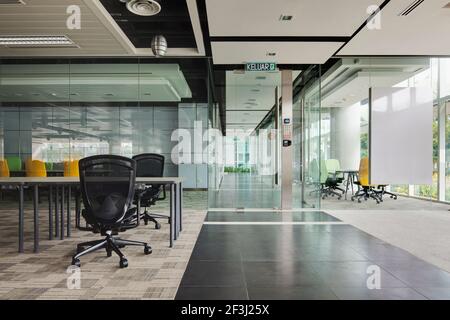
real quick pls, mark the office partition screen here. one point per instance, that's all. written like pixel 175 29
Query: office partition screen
pixel 401 135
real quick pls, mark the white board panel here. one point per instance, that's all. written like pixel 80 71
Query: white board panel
pixel 401 135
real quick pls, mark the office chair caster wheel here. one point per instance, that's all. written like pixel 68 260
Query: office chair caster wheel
pixel 157 225
pixel 359 201
pixel 339 198
pixel 108 253
pixel 145 221
pixel 148 249
pixel 123 263
pixel 76 262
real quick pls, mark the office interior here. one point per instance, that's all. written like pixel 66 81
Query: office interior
pixel 239 240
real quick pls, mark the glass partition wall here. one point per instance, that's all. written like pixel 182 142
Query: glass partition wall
pixel 61 110
pixel 345 118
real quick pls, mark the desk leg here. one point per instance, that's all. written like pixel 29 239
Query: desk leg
pixel 77 208
pixel 181 206
pixel 346 186
pixel 50 212
pixel 36 218
pixel 57 212
pixel 21 219
pixel 351 182
pixel 172 213
pixel 69 191
pixel 138 213
pixel 61 233
pixel 175 217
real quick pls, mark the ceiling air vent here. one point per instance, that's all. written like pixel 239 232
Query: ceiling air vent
pixel 410 8
pixel 6 2
pixel 144 7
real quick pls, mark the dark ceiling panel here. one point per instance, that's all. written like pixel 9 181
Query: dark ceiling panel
pixel 173 22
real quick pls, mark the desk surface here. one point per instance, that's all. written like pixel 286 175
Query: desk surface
pixel 75 180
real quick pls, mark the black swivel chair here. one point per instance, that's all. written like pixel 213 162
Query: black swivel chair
pixel 107 185
pixel 150 165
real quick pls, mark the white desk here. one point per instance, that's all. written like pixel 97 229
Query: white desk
pixel 60 183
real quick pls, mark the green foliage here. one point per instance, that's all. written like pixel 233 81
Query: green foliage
pixel 364 145
pixel 237 170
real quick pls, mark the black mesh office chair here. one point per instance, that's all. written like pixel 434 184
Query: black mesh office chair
pixel 150 165
pixel 107 185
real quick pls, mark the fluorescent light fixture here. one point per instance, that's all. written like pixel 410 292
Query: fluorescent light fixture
pixel 35 41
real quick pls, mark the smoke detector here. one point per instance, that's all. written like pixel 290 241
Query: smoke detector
pixel 143 7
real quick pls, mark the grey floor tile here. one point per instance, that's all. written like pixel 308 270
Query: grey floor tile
pixel 291 293
pixel 211 293
pixel 435 293
pixel 377 294
pixel 213 274
pixel 280 274
pixel 353 274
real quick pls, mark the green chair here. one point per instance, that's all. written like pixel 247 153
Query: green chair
pixel 49 166
pixel 333 166
pixel 14 163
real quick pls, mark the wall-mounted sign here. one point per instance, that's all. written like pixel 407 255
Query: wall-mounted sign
pixel 260 66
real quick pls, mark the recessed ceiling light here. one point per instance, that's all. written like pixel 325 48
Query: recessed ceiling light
pixel 35 41
pixel 53 94
pixel 285 17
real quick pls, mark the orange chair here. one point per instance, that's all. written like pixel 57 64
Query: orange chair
pixel 71 168
pixel 35 168
pixel 367 190
pixel 4 169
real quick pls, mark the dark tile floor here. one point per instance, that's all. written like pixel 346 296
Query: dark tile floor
pixel 327 261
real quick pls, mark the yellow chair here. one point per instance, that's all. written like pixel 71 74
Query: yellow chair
pixel 35 168
pixel 367 190
pixel 4 169
pixel 71 168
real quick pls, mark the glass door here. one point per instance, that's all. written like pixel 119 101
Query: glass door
pixel 247 177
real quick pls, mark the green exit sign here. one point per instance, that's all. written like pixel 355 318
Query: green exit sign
pixel 260 66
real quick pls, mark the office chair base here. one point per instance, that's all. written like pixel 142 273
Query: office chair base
pixel 152 217
pixel 110 244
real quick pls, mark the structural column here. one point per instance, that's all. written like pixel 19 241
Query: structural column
pixel 286 146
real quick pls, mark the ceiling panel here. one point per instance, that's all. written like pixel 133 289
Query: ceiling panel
pixel 92 83
pixel 48 17
pixel 285 52
pixel 173 22
pixel 103 34
pixel 309 18
pixel 424 31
